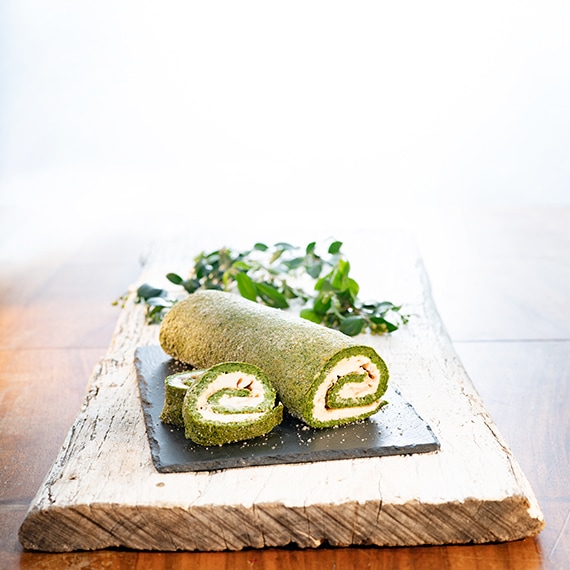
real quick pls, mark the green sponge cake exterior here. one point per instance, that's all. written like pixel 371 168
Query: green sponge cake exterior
pixel 175 388
pixel 321 375
pixel 232 401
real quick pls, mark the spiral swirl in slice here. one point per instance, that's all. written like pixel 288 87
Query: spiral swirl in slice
pixel 232 401
pixel 349 388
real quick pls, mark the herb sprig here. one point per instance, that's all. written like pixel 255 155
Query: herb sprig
pixel 280 276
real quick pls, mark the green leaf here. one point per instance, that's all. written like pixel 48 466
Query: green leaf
pixel 155 314
pixel 324 284
pixel 294 263
pixel 352 287
pixel 340 275
pixel 146 291
pixel 284 245
pixel 314 270
pixel 272 296
pixel 202 268
pixel 191 285
pixel 384 307
pixel 175 278
pixel 241 265
pixel 246 286
pixel 310 315
pixel 311 248
pixel 276 255
pixel 352 326
pixel 334 247
pixel 322 304
pixel 292 293
pixel 260 247
pixel 383 325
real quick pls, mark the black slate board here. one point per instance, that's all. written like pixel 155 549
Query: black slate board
pixel 395 429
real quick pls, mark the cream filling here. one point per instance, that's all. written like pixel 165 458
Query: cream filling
pixel 351 365
pixel 185 379
pixel 233 380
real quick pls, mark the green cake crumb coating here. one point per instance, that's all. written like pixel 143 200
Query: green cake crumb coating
pixel 175 388
pixel 259 415
pixel 209 327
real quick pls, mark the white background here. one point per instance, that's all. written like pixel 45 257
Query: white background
pixel 194 112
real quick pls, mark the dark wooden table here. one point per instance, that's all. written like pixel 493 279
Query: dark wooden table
pixel 501 281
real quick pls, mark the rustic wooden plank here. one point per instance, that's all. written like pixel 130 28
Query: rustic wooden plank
pixel 103 490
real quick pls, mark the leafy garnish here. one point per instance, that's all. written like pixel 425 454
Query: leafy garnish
pixel 279 275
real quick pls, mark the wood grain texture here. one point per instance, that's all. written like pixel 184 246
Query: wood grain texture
pixel 103 491
pixel 30 436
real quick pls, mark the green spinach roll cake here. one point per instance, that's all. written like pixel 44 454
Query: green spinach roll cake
pixel 322 376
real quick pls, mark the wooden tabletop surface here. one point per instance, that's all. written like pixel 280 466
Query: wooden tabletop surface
pixel 500 279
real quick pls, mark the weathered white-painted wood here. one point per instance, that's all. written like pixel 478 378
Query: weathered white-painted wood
pixel 103 490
